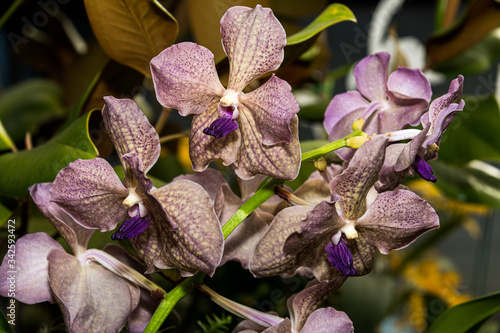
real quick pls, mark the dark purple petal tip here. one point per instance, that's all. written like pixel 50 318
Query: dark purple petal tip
pixel 341 258
pixel 221 127
pixel 131 228
pixel 424 169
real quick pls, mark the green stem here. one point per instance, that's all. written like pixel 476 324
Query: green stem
pixel 323 150
pixel 171 299
pixel 12 9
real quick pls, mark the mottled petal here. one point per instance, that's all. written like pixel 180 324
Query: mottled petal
pixel 131 228
pixel 253 40
pixel 411 83
pixel 328 320
pixel 353 184
pixel 424 169
pixel 363 255
pixel 197 243
pixel 185 78
pixel 205 148
pixel 453 96
pixel 268 257
pixel 395 219
pixel 221 127
pixel 389 178
pixel 130 131
pixel 371 76
pixel 340 106
pixel 273 106
pixel 279 161
pixel 92 299
pixel 304 303
pixel 25 266
pixel 74 234
pixel 91 193
pixel 210 179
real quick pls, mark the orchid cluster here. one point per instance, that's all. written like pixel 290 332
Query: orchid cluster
pixel 329 229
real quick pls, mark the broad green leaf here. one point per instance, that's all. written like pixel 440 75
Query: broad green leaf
pixel 7 206
pixel 333 14
pixel 476 182
pixel 27 106
pixel 204 20
pixel 473 133
pixel 481 17
pixel 41 164
pixel 132 32
pixel 468 316
pixel 478 58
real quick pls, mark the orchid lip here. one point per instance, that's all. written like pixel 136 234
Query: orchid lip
pixel 131 228
pixel 221 127
pixel 341 257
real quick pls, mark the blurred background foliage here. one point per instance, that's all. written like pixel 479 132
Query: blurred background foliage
pixel 58 58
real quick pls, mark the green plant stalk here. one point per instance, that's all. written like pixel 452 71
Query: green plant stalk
pixel 12 9
pixel 171 299
pixel 265 191
pixel 323 150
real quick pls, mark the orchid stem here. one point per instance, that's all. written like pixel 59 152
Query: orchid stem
pixel 171 299
pixel 329 147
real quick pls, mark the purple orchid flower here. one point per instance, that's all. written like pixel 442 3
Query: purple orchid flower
pixel 305 317
pixel 384 103
pixel 163 227
pixel 405 159
pixel 92 296
pixel 353 223
pixel 256 132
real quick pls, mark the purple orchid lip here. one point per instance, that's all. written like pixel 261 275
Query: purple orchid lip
pixel 423 169
pixel 131 228
pixel 221 127
pixel 341 257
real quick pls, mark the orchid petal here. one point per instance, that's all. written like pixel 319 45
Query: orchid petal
pixel 205 148
pixel 74 234
pixel 342 128
pixel 130 131
pixel 273 107
pixel 401 113
pixel 363 255
pixel 91 193
pixel 29 272
pixel 254 42
pixel 185 78
pixel 91 297
pixel 302 305
pixel 371 76
pixel 328 320
pixel 410 83
pixel 268 257
pixel 340 106
pixel 196 244
pixel 441 122
pixel 279 161
pixel 211 180
pixel 353 184
pixel 396 219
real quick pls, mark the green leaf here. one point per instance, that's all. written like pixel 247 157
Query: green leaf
pixel 473 133
pixel 481 17
pixel 4 324
pixel 466 316
pixel 333 14
pixel 476 182
pixel 132 32
pixel 5 140
pixel 41 164
pixel 28 105
pixel 476 59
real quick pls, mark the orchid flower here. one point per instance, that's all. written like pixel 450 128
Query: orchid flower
pixel 163 227
pixel 95 290
pixel 403 159
pixel 384 103
pixel 340 236
pixel 255 132
pixel 305 317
